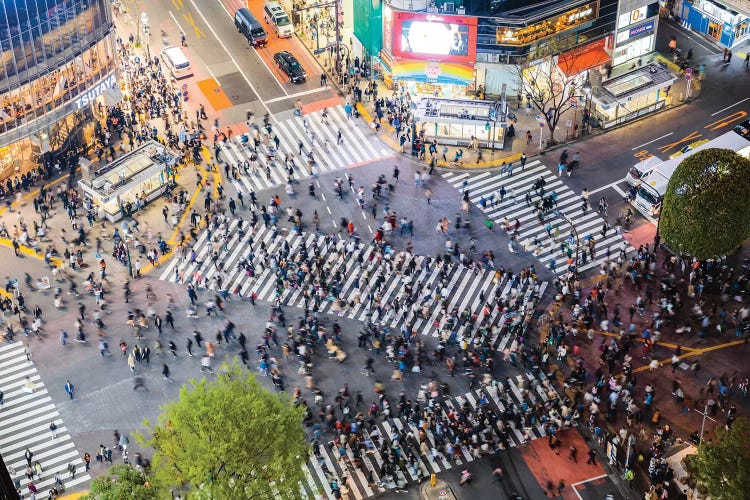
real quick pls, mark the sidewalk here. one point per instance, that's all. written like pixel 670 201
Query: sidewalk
pixel 525 120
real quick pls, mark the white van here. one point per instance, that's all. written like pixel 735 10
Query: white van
pixel 275 15
pixel 178 64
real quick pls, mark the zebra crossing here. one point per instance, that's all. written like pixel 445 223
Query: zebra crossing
pixel 359 146
pixel 25 416
pixel 521 391
pixel 464 287
pixel 588 224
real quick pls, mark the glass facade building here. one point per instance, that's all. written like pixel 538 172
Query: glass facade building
pixel 58 57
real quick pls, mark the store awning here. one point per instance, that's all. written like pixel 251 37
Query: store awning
pixel 434 72
pixel 575 62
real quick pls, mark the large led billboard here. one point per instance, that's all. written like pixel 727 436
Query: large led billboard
pixel 434 37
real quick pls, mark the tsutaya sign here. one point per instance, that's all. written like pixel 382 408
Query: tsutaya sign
pixel 98 89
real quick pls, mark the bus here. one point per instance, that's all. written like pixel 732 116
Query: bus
pixel 652 183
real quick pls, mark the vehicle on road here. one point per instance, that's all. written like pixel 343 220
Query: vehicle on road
pixel 641 169
pixel 245 22
pixel 290 66
pixel 177 62
pixel 275 16
pixel 652 187
pixel 687 148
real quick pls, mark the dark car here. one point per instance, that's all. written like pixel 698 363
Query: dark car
pixel 290 66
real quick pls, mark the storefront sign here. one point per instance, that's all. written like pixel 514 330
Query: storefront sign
pixel 631 17
pixel 90 95
pixel 418 36
pixel 641 30
pixel 432 71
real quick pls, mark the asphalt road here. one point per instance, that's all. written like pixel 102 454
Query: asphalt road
pixel 723 103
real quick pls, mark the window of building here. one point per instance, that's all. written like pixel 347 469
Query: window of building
pixel 529 34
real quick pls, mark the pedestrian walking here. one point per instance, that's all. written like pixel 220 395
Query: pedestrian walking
pixel 573 455
pixel 69 389
pixel 190 347
pixel 428 195
pixel 592 457
pixel 165 373
pixel 206 363
pixel 173 348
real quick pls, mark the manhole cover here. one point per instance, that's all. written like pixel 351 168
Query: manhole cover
pixel 235 97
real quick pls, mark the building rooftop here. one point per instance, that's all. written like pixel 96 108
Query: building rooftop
pixel 635 83
pixel 460 110
pixel 118 176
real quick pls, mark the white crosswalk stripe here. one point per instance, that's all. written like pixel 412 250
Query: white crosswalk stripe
pixel 508 402
pixel 25 418
pixel 486 185
pixel 358 146
pixel 355 277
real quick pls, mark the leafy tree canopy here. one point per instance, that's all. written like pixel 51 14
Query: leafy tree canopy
pixel 229 438
pixel 722 466
pixel 706 212
pixel 121 481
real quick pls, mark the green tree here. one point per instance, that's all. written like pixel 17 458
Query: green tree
pixel 228 438
pixel 120 481
pixel 705 212
pixel 722 466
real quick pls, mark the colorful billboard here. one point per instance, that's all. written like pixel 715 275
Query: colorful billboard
pixel 420 36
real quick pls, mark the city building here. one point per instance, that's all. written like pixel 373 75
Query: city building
pixel 58 67
pixel 450 49
pixel 727 23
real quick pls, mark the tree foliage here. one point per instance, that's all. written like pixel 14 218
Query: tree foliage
pixel 229 438
pixel 120 481
pixel 548 90
pixel 705 212
pixel 722 466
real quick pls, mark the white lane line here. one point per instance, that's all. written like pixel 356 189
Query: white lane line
pixel 606 187
pixel 686 33
pixel 259 57
pixel 730 106
pixel 298 94
pixel 649 142
pixel 218 39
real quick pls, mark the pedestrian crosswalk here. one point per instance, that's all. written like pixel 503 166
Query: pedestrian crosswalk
pixel 26 413
pixel 362 473
pixel 402 289
pixel 357 146
pixel 514 206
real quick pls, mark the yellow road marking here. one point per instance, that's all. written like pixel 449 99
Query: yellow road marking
pixel 696 352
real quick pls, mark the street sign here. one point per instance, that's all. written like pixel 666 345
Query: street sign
pixel 573 102
pixel 541 124
pixel 688 74
pixel 443 493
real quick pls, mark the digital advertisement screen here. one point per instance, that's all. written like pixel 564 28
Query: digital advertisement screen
pixel 434 37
